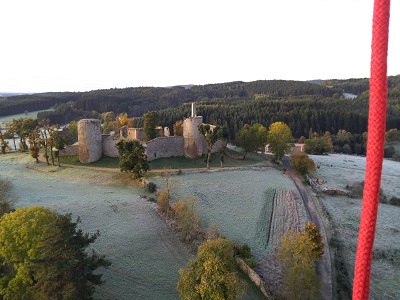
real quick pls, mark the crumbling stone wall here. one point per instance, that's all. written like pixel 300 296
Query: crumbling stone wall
pixel 135 134
pixel 70 150
pixel 171 146
pixel 90 140
pixel 108 144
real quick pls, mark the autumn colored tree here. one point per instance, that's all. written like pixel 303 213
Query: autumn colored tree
pixel 34 143
pixel 3 143
pixel 187 219
pixel 280 139
pixel 212 274
pixel 296 257
pixel 163 202
pixel 317 245
pixel 178 128
pixel 302 163
pixel 132 157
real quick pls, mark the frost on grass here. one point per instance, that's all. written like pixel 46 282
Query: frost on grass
pixel 145 254
pixel 233 200
pixel 340 170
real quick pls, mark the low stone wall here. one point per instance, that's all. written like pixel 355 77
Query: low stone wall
pixel 253 276
pixel 70 150
pixel 171 146
pixel 109 148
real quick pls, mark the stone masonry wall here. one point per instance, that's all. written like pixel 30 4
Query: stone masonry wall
pixel 70 150
pixel 164 147
pixel 109 148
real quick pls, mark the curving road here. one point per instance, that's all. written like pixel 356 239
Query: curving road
pixel 324 264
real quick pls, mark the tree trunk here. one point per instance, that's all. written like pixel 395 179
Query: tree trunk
pixel 58 158
pixel 46 155
pixel 208 159
pixel 51 155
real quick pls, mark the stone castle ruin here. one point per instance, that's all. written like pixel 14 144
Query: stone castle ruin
pixel 93 144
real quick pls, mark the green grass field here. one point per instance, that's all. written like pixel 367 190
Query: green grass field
pixel 252 159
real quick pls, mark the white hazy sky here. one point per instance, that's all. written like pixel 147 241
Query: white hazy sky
pixel 84 45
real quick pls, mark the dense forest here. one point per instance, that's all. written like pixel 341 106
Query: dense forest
pixel 304 106
pixel 139 100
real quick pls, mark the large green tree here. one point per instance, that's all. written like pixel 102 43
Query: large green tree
pixel 252 138
pixel 132 157
pixel 44 256
pixel 151 120
pixel 212 274
pixel 6 199
pixel 319 145
pixel 279 138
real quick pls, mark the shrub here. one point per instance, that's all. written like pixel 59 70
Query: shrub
pixel 212 274
pixel 389 152
pixel 151 187
pixel 187 220
pixel 243 251
pixel 396 157
pixel 213 232
pixel 302 163
pixel 250 262
pixel 316 239
pixel 163 202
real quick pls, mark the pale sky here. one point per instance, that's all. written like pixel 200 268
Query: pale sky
pixel 85 45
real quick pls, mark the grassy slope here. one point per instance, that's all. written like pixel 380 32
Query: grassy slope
pixel 340 170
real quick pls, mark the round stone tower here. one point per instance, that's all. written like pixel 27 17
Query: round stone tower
pixel 192 139
pixel 90 140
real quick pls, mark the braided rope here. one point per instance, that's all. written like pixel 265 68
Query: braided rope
pixel 376 138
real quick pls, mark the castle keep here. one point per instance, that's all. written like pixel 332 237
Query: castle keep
pixel 93 144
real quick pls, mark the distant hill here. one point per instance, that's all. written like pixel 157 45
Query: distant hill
pixel 316 106
pixel 137 101
pixel 2 95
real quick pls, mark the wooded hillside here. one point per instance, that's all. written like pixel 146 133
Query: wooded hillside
pixel 304 106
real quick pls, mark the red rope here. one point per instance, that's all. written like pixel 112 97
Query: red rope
pixel 376 138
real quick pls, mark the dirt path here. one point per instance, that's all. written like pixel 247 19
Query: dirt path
pixel 324 264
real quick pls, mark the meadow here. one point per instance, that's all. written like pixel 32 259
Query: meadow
pixel 340 171
pixel 145 254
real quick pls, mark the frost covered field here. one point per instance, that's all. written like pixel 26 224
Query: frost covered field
pixel 234 201
pixel 340 170
pixel 145 254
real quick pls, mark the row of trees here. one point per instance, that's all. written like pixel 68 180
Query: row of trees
pixel 50 138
